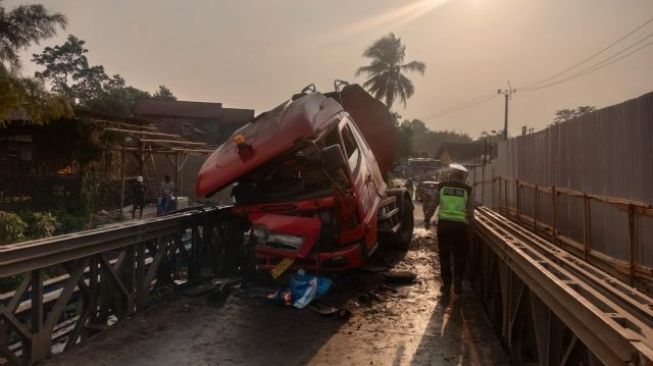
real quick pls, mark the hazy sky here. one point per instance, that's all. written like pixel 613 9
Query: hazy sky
pixel 256 53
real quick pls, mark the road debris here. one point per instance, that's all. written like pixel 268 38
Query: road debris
pixel 302 289
pixel 330 311
pixel 400 277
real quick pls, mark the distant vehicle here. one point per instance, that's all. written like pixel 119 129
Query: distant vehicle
pixel 310 183
pixel 419 168
pixel 424 188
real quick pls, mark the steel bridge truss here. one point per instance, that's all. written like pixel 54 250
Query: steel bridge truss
pixel 70 287
pixel 550 307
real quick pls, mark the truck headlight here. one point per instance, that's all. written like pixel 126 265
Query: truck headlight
pixel 286 240
pixel 260 233
pixel 263 236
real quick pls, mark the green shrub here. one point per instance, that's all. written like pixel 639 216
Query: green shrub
pixel 43 225
pixel 12 228
pixel 69 222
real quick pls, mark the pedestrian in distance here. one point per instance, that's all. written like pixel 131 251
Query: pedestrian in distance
pixel 410 187
pixel 138 190
pixel 455 213
pixel 428 205
pixel 167 192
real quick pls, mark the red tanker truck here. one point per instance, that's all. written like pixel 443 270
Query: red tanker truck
pixel 308 177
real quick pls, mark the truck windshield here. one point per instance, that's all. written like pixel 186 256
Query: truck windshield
pixel 296 177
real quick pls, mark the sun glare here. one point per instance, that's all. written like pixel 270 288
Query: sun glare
pixel 395 17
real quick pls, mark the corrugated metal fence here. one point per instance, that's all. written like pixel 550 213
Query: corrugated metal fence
pixel 606 153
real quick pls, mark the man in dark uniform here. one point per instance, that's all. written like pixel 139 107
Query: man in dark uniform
pixel 138 189
pixel 455 212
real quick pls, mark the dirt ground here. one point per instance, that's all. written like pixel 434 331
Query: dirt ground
pixel 390 324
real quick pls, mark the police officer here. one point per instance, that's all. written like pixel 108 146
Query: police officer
pixel 454 215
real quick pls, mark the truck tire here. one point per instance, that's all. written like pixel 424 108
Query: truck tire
pixel 405 234
pixel 402 238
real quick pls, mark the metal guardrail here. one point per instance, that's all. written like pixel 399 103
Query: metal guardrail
pixel 102 275
pixel 502 189
pixel 552 307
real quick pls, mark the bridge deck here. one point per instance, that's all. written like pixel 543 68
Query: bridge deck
pixel 412 326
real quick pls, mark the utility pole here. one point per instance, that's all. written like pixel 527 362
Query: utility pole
pixel 507 93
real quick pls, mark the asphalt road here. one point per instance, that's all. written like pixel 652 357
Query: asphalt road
pixel 390 325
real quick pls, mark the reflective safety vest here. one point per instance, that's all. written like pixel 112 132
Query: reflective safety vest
pixel 453 204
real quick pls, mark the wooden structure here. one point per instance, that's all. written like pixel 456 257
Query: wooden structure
pixel 138 142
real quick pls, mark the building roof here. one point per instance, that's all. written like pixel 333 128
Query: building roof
pixel 192 110
pixel 174 108
pixel 465 151
pixel 237 115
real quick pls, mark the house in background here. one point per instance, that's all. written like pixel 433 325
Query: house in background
pixel 195 121
pixel 466 153
pixel 210 123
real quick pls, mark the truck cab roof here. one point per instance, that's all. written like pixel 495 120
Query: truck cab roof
pixel 266 137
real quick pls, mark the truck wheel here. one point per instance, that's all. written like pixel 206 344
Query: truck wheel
pixel 404 236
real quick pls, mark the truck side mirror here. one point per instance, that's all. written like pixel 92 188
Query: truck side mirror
pixel 333 158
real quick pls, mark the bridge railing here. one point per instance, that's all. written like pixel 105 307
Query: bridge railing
pixel 567 216
pixel 551 308
pixel 70 287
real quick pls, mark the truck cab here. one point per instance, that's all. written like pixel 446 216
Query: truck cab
pixel 310 186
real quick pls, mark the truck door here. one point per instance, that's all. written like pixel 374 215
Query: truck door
pixel 365 187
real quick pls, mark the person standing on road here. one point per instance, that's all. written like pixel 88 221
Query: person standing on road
pixel 428 205
pixel 410 187
pixel 138 190
pixel 167 191
pixel 454 198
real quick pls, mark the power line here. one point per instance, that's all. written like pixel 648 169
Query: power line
pixel 599 65
pixel 538 85
pixel 462 106
pixel 581 62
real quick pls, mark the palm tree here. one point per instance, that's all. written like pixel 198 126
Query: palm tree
pixel 386 80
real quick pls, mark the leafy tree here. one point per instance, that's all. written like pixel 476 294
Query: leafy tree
pixel 492 136
pixel 404 141
pixel 68 70
pixel 585 109
pixel 29 96
pixel 163 94
pixel 416 126
pixel 426 142
pixel 386 79
pixel 23 26
pixel 19 28
pixel 116 97
pixel 564 115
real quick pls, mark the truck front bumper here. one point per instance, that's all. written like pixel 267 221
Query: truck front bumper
pixel 342 259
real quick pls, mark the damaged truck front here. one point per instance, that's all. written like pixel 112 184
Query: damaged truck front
pixel 308 178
